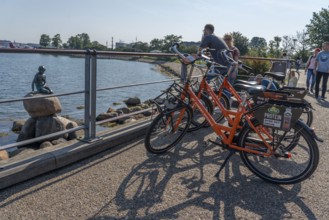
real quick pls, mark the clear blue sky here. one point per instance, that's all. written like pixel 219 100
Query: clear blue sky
pixel 126 20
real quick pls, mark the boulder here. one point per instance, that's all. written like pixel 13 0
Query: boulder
pixel 132 101
pixel 28 130
pixel 46 144
pixel 105 115
pixel 18 125
pixel 42 106
pixel 4 155
pixel 123 110
pixel 47 125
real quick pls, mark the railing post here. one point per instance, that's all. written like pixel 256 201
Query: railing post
pixel 87 96
pixel 93 85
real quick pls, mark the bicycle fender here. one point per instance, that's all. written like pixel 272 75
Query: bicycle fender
pixel 310 130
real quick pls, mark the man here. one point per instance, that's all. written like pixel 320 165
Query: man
pixel 40 81
pixel 209 40
pixel 321 69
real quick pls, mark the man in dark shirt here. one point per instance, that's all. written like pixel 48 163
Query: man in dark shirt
pixel 209 40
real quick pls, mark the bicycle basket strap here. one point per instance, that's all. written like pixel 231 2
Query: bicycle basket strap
pixel 278 116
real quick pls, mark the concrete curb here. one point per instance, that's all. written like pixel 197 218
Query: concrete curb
pixel 48 160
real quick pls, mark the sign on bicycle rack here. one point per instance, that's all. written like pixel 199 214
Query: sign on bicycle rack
pixel 278 116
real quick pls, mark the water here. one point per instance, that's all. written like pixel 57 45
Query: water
pixel 66 74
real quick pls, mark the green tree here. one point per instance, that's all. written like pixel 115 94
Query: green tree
pixel 57 41
pixel 44 40
pixel 156 44
pixel 258 43
pixel 277 41
pixel 74 42
pixel 241 42
pixel 84 39
pixel 141 46
pixel 318 29
pixel 169 40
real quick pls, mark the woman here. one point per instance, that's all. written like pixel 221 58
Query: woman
pixel 309 70
pixel 228 38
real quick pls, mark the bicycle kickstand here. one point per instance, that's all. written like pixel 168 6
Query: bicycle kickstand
pixel 232 151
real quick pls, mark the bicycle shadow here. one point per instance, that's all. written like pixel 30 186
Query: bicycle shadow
pixel 180 185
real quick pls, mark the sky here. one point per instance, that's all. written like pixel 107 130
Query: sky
pixel 143 20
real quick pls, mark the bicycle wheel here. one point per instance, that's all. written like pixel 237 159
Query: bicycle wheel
pixel 167 129
pixel 279 168
pixel 307 117
pixel 198 120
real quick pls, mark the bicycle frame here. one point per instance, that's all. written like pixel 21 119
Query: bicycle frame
pixel 220 129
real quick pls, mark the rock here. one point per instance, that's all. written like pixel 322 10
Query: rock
pixel 46 144
pixel 49 125
pixel 58 141
pixel 123 120
pixel 136 109
pixel 123 110
pixel 147 113
pixel 81 107
pixel 3 134
pixel 4 155
pixel 104 116
pixel 111 110
pixel 41 107
pixel 18 125
pixel 75 134
pixel 139 116
pixel 132 101
pixel 28 130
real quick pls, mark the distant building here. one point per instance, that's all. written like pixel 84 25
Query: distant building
pixel 5 43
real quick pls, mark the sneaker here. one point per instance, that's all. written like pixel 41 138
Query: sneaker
pixel 312 91
pixel 323 98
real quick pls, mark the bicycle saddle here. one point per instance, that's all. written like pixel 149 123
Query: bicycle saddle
pixel 279 76
pixel 252 83
pixel 251 89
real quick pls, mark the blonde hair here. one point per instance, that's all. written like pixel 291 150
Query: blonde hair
pixel 230 41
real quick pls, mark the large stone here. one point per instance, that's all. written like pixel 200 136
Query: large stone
pixel 18 125
pixel 42 106
pixel 4 155
pixel 105 115
pixel 132 101
pixel 28 130
pixel 47 125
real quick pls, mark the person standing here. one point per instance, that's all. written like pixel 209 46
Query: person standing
pixel 210 40
pixel 309 71
pixel 298 63
pixel 228 38
pixel 321 69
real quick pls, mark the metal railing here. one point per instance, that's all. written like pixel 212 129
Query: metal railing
pixel 90 89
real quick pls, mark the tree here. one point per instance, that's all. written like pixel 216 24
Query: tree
pixel 156 44
pixel 57 41
pixel 169 40
pixel 241 42
pixel 44 40
pixel 84 39
pixel 277 41
pixel 74 42
pixel 141 46
pixel 318 29
pixel 258 45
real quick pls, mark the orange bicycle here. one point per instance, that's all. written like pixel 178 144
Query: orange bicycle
pixel 262 141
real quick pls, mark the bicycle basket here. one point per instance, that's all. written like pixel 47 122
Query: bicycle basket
pixel 265 96
pixel 281 115
pixel 171 98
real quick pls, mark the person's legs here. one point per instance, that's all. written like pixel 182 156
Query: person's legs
pixel 324 84
pixel 317 83
pixel 308 77
pixel 313 79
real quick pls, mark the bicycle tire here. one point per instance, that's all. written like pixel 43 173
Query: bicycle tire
pixel 281 170
pixel 307 117
pixel 198 120
pixel 162 125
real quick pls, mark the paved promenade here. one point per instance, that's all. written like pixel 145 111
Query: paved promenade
pixel 128 183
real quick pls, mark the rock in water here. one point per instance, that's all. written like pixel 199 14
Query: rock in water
pixel 42 106
pixel 133 101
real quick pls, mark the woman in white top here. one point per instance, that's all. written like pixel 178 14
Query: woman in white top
pixel 292 79
pixel 309 70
